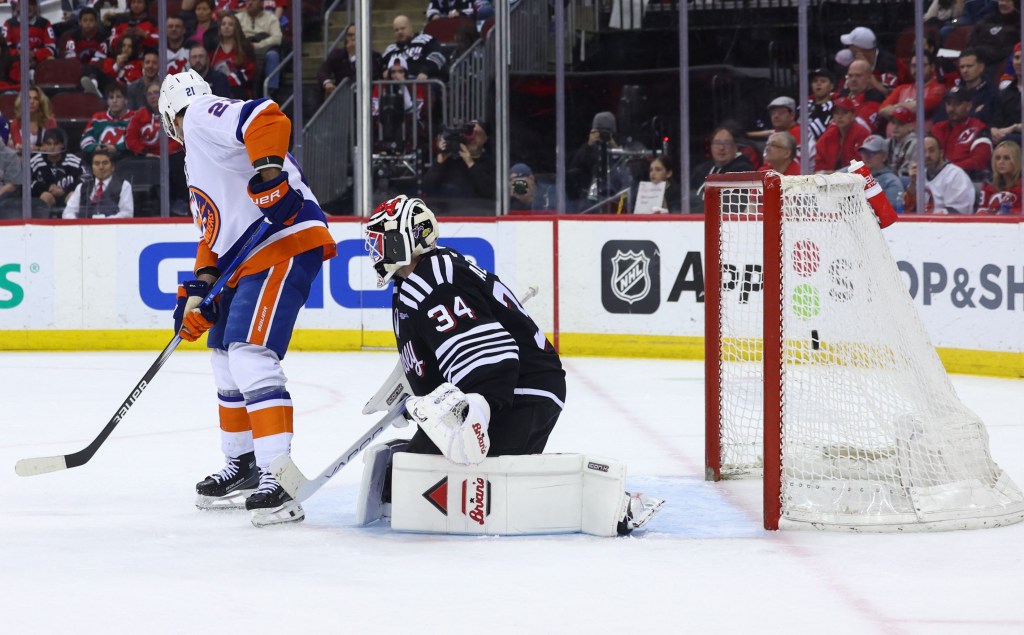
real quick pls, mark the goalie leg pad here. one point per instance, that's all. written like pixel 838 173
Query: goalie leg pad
pixel 508 495
pixel 370 505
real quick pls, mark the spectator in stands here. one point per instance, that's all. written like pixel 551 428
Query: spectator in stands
pixel 177 49
pixel 943 13
pixel 524 193
pixel 125 67
pixel 134 23
pixel 449 9
pixel 234 56
pixel 866 99
pixel 841 140
pixel 662 170
pixel 40 118
pixel 885 70
pixel 592 173
pixel 466 172
pixel 55 172
pixel 948 189
pixel 780 155
pixel 1003 194
pixel 263 31
pixel 199 61
pixel 782 111
pixel 105 195
pixel 905 95
pixel 341 64
pixel 42 42
pixel 725 157
pixel 819 106
pixel 107 129
pixel 422 52
pixel 142 137
pixel 903 142
pixel 398 107
pixel 996 33
pixel 874 153
pixel 10 181
pixel 980 91
pixel 975 10
pixel 204 30
pixel 10 70
pixel 1006 112
pixel 964 139
pixel 87 42
pixel 136 90
pixel 72 9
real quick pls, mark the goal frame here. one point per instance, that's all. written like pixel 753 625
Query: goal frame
pixel 772 356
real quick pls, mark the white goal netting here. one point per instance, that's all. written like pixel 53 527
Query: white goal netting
pixel 872 434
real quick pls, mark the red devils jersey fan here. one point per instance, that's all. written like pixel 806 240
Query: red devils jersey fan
pixel 41 40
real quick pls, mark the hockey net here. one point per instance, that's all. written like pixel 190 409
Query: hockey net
pixel 820 375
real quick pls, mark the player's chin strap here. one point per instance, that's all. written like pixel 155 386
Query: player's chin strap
pixel 455 421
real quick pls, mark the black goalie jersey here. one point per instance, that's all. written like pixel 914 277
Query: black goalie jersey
pixel 458 323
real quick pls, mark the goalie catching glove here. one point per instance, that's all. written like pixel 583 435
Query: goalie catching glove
pixel 191 320
pixel 275 198
pixel 455 421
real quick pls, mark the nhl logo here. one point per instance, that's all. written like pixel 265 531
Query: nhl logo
pixel 631 276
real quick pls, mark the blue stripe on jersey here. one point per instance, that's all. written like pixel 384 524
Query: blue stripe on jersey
pixel 230 396
pixel 271 395
pixel 227 258
pixel 243 116
pixel 302 175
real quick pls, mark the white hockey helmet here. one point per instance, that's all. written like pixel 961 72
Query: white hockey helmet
pixel 176 94
pixel 399 230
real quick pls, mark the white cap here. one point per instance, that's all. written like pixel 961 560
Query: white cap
pixel 861 37
pixel 783 102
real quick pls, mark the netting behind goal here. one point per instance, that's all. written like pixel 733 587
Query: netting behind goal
pixel 821 377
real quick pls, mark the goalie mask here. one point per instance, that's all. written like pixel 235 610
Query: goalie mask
pixel 398 231
pixel 176 93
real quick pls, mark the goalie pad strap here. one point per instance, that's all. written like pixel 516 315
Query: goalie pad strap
pixel 508 495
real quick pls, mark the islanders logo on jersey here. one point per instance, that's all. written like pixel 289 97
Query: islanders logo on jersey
pixel 206 214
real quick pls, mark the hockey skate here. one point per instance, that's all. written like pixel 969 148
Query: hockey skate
pixel 271 505
pixel 640 509
pixel 229 488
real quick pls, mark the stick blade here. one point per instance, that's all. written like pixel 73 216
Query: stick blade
pixel 40 465
pixel 289 476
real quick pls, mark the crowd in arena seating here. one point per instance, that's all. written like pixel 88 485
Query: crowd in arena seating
pixel 94 92
pixel 868 111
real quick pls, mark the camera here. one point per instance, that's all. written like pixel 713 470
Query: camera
pixel 454 136
pixel 520 187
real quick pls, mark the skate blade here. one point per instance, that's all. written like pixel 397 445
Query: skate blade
pixel 234 500
pixel 290 512
pixel 651 508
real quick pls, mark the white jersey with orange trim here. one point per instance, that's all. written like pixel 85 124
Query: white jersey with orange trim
pixel 222 139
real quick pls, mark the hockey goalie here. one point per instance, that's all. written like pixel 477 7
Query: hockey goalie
pixel 490 389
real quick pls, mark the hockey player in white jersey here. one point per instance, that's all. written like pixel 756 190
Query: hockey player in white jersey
pixel 240 173
pixel 491 388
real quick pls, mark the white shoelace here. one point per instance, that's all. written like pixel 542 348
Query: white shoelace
pixel 267 483
pixel 229 470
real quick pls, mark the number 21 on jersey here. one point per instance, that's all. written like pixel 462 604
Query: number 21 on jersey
pixel 444 317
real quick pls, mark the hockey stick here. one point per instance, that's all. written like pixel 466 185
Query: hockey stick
pixel 44 464
pixel 391 396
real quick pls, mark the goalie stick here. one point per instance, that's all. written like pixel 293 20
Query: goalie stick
pixel 391 396
pixel 44 464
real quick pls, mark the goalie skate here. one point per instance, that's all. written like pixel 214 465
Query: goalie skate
pixel 229 488
pixel 271 505
pixel 640 509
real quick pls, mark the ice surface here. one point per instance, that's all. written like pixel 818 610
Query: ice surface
pixel 117 546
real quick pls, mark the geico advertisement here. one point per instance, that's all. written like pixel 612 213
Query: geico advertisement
pixel 966 280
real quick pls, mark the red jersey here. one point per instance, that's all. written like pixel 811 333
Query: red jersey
pixel 124 22
pixel 835 151
pixel 934 91
pixel 793 169
pixel 1003 202
pixel 131 71
pixel 88 49
pixel 41 39
pixel 239 76
pixel 143 135
pixel 965 143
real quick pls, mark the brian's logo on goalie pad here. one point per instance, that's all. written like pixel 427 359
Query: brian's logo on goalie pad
pixel 631 276
pixel 476 498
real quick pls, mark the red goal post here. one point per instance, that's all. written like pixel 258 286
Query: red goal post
pixel 820 376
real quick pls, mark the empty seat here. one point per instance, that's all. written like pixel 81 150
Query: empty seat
pixel 58 75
